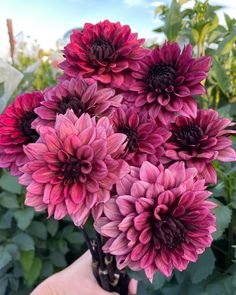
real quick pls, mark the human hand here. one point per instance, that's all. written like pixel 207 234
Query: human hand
pixel 77 279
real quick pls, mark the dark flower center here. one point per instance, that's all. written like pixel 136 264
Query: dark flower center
pixel 74 170
pixel 169 232
pixel 132 137
pixel 25 126
pixel 101 50
pixel 189 135
pixel 161 77
pixel 73 103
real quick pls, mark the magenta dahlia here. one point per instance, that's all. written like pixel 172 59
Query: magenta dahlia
pixel 198 141
pixel 167 79
pixel 145 140
pixel 16 131
pixel 73 167
pixel 105 51
pixel 160 221
pixel 79 95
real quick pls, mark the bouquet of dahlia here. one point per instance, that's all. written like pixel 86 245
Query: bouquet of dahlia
pixel 121 141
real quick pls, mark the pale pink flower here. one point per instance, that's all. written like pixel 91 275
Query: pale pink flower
pixel 73 167
pixel 159 221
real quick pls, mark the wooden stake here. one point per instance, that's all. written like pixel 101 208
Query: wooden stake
pixel 11 38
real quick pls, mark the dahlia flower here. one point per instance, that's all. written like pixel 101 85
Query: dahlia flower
pixel 16 131
pixel 79 95
pixel 105 51
pixel 160 221
pixel 73 167
pixel 145 140
pixel 167 79
pixel 198 141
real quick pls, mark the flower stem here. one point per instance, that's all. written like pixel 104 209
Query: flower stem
pixel 103 272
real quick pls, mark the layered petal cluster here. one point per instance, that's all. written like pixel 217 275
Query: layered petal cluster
pixel 167 79
pixel 198 141
pixel 73 167
pixel 79 95
pixel 105 51
pixel 158 222
pixel 16 131
pixel 145 139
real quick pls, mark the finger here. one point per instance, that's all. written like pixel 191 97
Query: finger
pixel 133 286
pixel 103 292
pixel 99 291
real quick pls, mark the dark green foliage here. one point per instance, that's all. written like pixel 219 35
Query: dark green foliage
pixel 32 247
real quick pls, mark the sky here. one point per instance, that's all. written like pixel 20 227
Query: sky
pixel 47 20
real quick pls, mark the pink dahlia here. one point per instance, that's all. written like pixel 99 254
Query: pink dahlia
pixel 166 80
pixel 160 221
pixel 73 167
pixel 79 95
pixel 106 52
pixel 145 140
pixel 16 131
pixel 198 141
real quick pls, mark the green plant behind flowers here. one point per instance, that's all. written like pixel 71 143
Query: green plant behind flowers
pixel 32 247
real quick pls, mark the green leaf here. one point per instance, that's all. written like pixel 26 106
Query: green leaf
pixel 6 219
pixel 27 259
pixel 203 267
pixel 47 269
pixel 229 22
pixel 52 226
pixel 223 217
pixel 63 246
pixel 226 45
pixel 13 250
pixel 221 76
pixel 3 284
pixel 10 184
pixel 5 257
pixel 181 2
pixel 32 275
pixel 24 241
pixel 142 290
pixel 75 238
pixel 224 111
pixel 38 229
pixel 1 88
pixel 58 259
pixel 173 21
pixel 24 217
pixel 8 200
pixel 224 285
pixel 158 281
pixel 160 9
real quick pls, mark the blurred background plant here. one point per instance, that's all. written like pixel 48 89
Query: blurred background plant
pixel 33 247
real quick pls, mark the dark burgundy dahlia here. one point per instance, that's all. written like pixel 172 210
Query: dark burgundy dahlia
pixel 16 131
pixel 145 139
pixel 198 141
pixel 159 221
pixel 80 95
pixel 105 51
pixel 167 79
